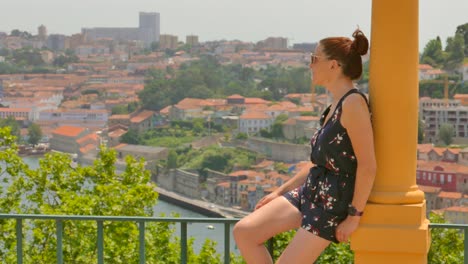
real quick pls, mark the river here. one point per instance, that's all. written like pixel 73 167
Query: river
pixel 197 230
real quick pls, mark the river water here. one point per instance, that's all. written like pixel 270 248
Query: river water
pixel 199 231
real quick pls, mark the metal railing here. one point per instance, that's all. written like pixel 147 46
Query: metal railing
pixel 141 232
pixel 100 234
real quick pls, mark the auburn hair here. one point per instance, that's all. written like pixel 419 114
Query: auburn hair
pixel 347 52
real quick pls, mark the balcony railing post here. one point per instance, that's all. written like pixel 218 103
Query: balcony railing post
pixel 19 240
pixel 59 229
pixel 227 241
pixel 100 242
pixel 465 244
pixel 183 242
pixel 142 241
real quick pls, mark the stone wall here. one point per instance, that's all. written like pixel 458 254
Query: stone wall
pixel 276 150
pixel 179 181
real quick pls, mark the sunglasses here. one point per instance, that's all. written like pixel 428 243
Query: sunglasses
pixel 314 58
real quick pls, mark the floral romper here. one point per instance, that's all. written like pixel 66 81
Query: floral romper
pixel 324 197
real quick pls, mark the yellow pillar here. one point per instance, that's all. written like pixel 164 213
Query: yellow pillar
pixel 394 228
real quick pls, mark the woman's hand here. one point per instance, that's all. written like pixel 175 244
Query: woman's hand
pixel 267 199
pixel 346 228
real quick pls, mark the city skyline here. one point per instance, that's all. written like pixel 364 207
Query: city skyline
pixel 299 21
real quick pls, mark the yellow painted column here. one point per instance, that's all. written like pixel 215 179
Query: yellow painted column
pixel 394 228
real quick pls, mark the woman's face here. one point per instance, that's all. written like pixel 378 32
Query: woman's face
pixel 321 67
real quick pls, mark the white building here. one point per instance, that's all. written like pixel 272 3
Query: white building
pixel 253 122
pixel 17 113
pixel 75 117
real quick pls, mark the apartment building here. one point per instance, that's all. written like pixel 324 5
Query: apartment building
pixel 435 116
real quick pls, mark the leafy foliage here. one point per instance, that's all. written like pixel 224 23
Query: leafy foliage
pixel 34 133
pixel 58 188
pixel 12 124
pixel 217 158
pixel 446 244
pixel 206 78
pixel 446 133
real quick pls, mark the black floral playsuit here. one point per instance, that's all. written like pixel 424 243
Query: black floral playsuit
pixel 328 191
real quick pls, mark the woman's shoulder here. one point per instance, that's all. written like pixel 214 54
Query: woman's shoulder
pixel 355 107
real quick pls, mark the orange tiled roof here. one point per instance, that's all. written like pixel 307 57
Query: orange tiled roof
pixel 439 151
pixel 450 195
pixel 117 133
pixel 425 148
pixel 87 148
pixel 142 116
pixel 112 117
pixel 462 209
pixel 255 115
pixel 91 136
pixel 453 150
pixel 165 110
pixel 429 189
pixel 68 131
pixel 9 110
pixel 448 167
pixel 425 67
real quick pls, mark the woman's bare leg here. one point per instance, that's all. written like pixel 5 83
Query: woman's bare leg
pixel 304 248
pixel 251 232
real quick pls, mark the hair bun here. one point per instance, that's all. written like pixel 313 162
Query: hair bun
pixel 360 43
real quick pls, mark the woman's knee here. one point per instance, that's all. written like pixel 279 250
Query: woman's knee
pixel 243 228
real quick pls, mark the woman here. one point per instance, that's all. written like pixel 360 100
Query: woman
pixel 327 199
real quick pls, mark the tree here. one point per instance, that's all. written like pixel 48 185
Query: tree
pixel 433 54
pixel 120 110
pixel 446 132
pixel 63 60
pixel 131 137
pixel 34 133
pixel 446 244
pixel 242 136
pixel 56 188
pixel 455 51
pixel 463 30
pixel 12 124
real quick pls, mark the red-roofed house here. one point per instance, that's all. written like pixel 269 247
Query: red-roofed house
pixel 188 108
pixel 65 139
pixel 138 120
pixel 451 177
pixel 457 214
pixel 448 199
pixel 18 113
pixel 300 126
pixel 423 151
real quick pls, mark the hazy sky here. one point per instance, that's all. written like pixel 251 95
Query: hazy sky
pixel 247 20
